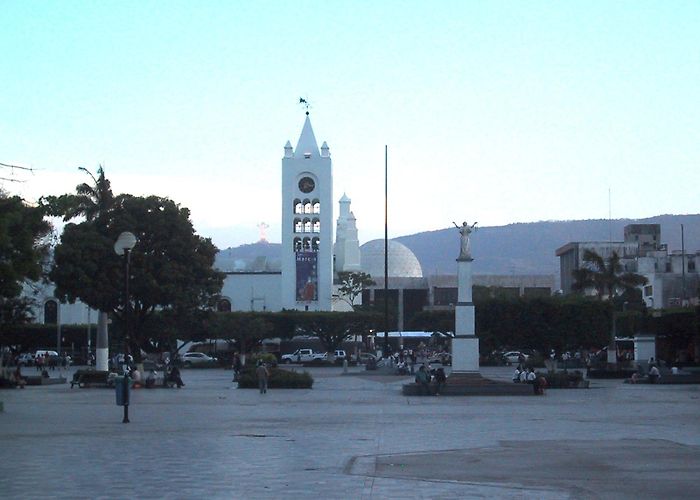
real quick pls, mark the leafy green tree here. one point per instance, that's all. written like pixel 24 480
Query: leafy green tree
pixel 23 245
pixel 171 266
pixel 352 284
pixel 333 328
pixel 434 321
pixel 607 276
pixel 23 248
pixel 90 201
pixel 247 328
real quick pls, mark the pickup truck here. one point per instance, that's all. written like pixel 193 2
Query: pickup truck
pixel 303 356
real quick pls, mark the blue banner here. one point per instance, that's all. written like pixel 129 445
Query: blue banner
pixel 307 278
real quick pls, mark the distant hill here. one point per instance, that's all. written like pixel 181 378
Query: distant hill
pixel 523 248
pixel 528 248
pixel 260 256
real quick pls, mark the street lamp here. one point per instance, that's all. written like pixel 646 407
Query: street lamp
pixel 123 246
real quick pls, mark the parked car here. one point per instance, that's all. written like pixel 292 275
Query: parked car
pixel 340 355
pixel 196 359
pixel 511 357
pixel 25 359
pixel 43 352
pixel 303 356
pixel 367 356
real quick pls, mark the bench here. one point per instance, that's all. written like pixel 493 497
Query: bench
pixel 90 378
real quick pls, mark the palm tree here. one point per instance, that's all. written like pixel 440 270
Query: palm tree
pixel 90 201
pixel 94 203
pixel 607 276
pixel 610 280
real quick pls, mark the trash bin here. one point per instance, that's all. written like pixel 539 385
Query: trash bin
pixel 122 389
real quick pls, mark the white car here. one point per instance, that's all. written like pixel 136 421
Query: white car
pixel 303 356
pixel 26 359
pixel 196 359
pixel 514 357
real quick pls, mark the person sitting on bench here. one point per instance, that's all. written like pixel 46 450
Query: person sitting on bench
pixel 174 376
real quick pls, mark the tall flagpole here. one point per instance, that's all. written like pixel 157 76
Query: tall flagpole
pixel 386 253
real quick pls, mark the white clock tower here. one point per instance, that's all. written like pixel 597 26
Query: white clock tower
pixel 307 224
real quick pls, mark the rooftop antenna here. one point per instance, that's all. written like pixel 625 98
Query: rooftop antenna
pixel 609 215
pixel 386 250
pixel 683 265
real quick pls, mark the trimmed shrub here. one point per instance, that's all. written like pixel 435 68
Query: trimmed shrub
pixel 563 380
pixel 535 361
pixel 279 379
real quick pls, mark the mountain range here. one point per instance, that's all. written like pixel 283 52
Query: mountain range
pixel 520 248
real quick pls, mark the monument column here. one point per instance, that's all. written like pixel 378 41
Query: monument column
pixel 465 344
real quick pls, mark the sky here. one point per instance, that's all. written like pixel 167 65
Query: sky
pixel 496 112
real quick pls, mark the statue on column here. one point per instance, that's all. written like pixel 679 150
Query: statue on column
pixel 465 250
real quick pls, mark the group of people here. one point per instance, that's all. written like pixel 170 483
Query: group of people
pixel 524 375
pixel 431 381
pixel 653 375
pixel 171 376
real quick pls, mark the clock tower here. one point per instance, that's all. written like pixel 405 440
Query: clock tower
pixel 307 228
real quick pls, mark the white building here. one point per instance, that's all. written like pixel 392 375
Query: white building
pixel 347 244
pixel 305 280
pixel 672 277
pixel 307 224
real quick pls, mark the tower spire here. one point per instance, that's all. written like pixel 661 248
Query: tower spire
pixel 307 145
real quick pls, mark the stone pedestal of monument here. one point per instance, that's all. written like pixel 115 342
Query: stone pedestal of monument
pixel 465 344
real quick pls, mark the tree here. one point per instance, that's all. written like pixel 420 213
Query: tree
pixel 434 321
pixel 607 276
pixel 171 266
pixel 352 284
pixel 332 328
pixel 94 203
pixel 90 201
pixel 23 245
pixel 23 248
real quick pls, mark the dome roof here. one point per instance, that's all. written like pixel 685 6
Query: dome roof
pixel 402 262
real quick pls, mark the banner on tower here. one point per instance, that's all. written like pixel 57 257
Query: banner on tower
pixel 307 278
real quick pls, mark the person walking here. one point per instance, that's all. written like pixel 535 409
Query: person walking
pixel 262 373
pixel 236 367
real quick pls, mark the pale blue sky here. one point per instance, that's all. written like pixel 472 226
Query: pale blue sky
pixel 493 111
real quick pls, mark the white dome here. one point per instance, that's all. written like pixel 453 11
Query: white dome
pixel 402 262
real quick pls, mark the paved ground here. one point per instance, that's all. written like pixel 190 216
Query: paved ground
pixel 350 437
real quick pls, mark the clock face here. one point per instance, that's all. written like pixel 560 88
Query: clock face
pixel 306 185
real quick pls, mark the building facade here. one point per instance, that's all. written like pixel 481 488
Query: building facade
pixel 673 278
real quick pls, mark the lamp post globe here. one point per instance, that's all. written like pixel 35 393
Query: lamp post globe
pixel 125 243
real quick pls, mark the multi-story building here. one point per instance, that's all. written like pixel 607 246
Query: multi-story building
pixel 672 276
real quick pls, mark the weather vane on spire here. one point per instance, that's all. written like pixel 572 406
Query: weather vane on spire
pixel 305 103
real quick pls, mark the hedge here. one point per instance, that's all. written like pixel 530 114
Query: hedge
pixel 279 379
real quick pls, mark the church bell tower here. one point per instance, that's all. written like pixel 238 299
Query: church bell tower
pixel 307 218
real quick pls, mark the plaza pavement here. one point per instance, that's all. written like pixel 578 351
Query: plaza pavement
pixel 350 437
